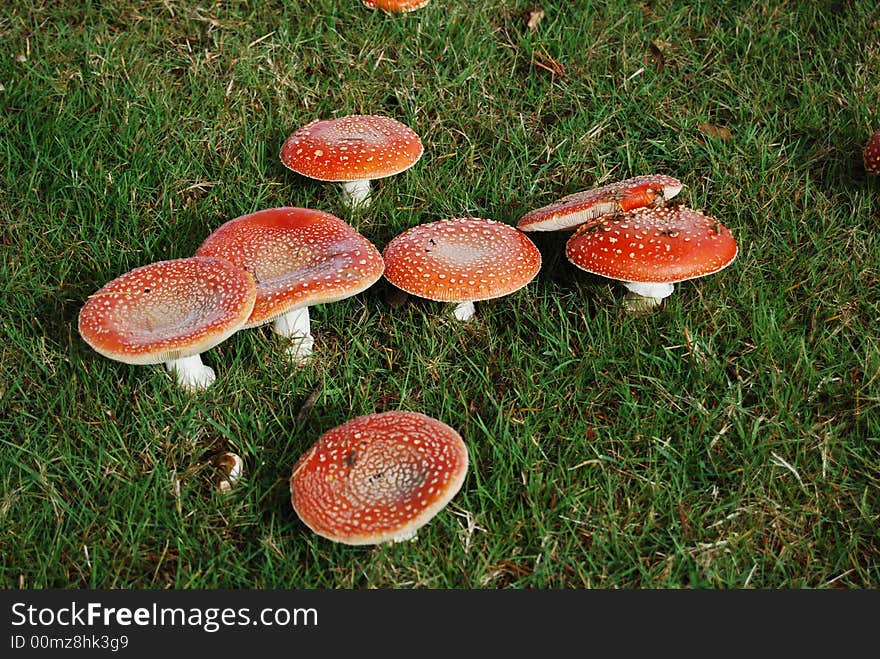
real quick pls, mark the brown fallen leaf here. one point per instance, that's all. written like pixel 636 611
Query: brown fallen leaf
pixel 307 404
pixel 535 17
pixel 547 63
pixel 713 130
pixel 655 54
pixel 661 54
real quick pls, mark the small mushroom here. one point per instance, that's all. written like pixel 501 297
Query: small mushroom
pixel 231 467
pixel 396 6
pixel 576 209
pixel 171 312
pixel 871 154
pixel 650 249
pixel 352 150
pixel 461 260
pixel 299 257
pixel 378 478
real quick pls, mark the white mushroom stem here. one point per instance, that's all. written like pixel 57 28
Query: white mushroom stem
pixel 464 311
pixel 644 296
pixel 295 326
pixel 356 193
pixel 658 291
pixel 191 373
pixel 403 537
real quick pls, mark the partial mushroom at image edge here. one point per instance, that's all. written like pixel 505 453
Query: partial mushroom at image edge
pixel 299 257
pixel 378 478
pixel 396 6
pixel 461 260
pixel 871 154
pixel 169 312
pixel 352 150
pixel 649 250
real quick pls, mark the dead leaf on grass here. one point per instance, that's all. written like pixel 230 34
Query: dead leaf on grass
pixel 655 54
pixel 713 130
pixel 535 16
pixel 547 63
pixel 661 54
pixel 308 404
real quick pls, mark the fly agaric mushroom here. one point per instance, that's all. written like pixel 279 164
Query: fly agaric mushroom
pixel 378 478
pixel 171 312
pixel 580 207
pixel 461 260
pixel 299 257
pixel 396 5
pixel 871 155
pixel 352 150
pixel 650 249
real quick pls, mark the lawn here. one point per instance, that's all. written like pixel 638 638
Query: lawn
pixel 730 439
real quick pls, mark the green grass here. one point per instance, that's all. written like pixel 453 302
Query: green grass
pixel 730 440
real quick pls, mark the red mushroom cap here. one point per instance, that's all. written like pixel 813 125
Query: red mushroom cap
pixel 580 207
pixel 652 245
pixel 167 310
pixel 298 256
pixel 871 154
pixel 378 478
pixel 352 148
pixel 461 260
pixel 396 5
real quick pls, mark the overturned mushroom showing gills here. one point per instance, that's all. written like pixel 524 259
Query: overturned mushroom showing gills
pixel 871 154
pixel 378 478
pixel 352 150
pixel 169 312
pixel 651 249
pixel 299 257
pixel 396 6
pixel 461 260
pixel 576 209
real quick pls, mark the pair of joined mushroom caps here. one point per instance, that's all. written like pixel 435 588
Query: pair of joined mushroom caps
pixel 625 231
pixel 265 267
